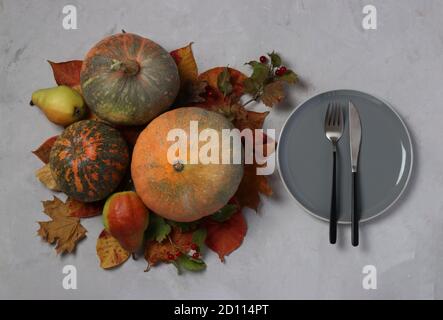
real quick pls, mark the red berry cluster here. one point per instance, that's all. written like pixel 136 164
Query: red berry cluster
pixel 196 254
pixel 177 254
pixel 281 71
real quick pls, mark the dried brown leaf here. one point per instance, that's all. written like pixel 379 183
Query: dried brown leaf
pixel 44 175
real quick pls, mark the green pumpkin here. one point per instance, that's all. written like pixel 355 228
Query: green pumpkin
pixel 129 80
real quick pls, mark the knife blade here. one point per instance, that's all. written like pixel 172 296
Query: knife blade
pixel 355 142
pixel 354 135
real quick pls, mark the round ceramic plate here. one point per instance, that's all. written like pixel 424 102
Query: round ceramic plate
pixel 305 157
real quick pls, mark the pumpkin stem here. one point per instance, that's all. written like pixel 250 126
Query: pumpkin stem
pixel 178 166
pixel 129 67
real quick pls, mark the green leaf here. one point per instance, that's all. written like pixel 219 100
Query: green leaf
pixel 158 229
pixel 260 72
pixel 289 77
pixel 250 86
pixel 190 264
pixel 225 213
pixel 275 59
pixel 253 63
pixel 224 82
pixel 199 237
pixel 184 226
pixel 177 266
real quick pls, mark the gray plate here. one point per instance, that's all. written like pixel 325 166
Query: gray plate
pixel 305 156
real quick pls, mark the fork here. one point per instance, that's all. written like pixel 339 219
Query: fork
pixel 333 131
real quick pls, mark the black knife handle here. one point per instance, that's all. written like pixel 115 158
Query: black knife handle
pixel 333 214
pixel 354 213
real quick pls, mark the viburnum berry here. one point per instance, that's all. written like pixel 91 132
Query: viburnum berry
pixel 281 71
pixel 263 59
pixel 194 246
pixel 209 92
pixel 178 254
pixel 196 255
pixel 171 256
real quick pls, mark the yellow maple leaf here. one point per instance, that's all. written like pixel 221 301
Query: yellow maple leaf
pixel 109 251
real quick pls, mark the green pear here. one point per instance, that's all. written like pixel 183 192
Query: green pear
pixel 61 105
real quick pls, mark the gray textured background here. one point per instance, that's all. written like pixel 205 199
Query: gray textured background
pixel 286 252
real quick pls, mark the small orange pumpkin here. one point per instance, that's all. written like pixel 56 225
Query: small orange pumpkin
pixel 182 191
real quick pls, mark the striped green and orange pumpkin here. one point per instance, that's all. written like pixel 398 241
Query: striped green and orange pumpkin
pixel 88 160
pixel 129 80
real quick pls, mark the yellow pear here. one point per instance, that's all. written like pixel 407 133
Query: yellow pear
pixel 61 105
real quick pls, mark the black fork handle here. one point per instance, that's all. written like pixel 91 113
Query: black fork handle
pixel 333 214
pixel 354 213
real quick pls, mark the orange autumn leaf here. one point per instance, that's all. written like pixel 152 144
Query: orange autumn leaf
pixel 192 90
pixel 225 237
pixel 156 252
pixel 67 73
pixel 63 230
pixel 211 77
pixel 187 67
pixel 44 150
pixel 109 251
pixel 248 193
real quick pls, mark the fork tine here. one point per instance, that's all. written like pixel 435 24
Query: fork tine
pixel 328 115
pixel 337 115
pixel 334 111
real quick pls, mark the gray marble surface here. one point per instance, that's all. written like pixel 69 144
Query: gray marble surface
pixel 286 253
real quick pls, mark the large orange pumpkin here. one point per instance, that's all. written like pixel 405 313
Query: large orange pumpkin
pixel 128 80
pixel 179 190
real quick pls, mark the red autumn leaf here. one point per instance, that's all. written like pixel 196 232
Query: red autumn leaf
pixel 67 73
pixel 225 237
pixel 44 150
pixel 248 193
pixel 84 209
pixel 156 252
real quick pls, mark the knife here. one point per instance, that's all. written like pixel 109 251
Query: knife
pixel 355 141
